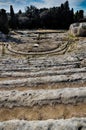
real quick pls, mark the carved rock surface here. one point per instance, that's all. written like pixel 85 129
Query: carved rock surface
pixel 30 98
pixel 69 124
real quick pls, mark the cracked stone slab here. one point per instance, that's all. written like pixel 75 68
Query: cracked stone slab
pixel 31 98
pixel 42 80
pixel 42 72
pixel 68 124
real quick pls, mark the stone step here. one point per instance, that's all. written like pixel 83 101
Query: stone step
pixel 74 96
pixel 39 63
pixel 35 68
pixel 68 124
pixel 39 73
pixel 34 81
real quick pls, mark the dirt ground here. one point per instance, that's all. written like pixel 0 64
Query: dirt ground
pixel 43 112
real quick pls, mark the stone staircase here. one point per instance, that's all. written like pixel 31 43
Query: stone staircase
pixel 44 92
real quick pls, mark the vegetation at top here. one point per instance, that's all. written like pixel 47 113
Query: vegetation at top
pixel 46 18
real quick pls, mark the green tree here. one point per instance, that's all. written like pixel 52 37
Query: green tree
pixel 13 18
pixel 4 22
pixel 19 12
pixel 79 15
pixel 33 14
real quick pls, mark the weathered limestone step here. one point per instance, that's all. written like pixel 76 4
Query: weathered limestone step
pixel 31 98
pixel 25 64
pixel 42 72
pixel 63 60
pixel 67 58
pixel 43 80
pixel 37 64
pixel 68 124
pixel 59 85
pixel 36 68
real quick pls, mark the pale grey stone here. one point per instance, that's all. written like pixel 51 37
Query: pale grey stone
pixel 30 98
pixel 68 124
pixel 78 29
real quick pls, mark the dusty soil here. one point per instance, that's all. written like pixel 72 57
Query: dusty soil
pixel 43 112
